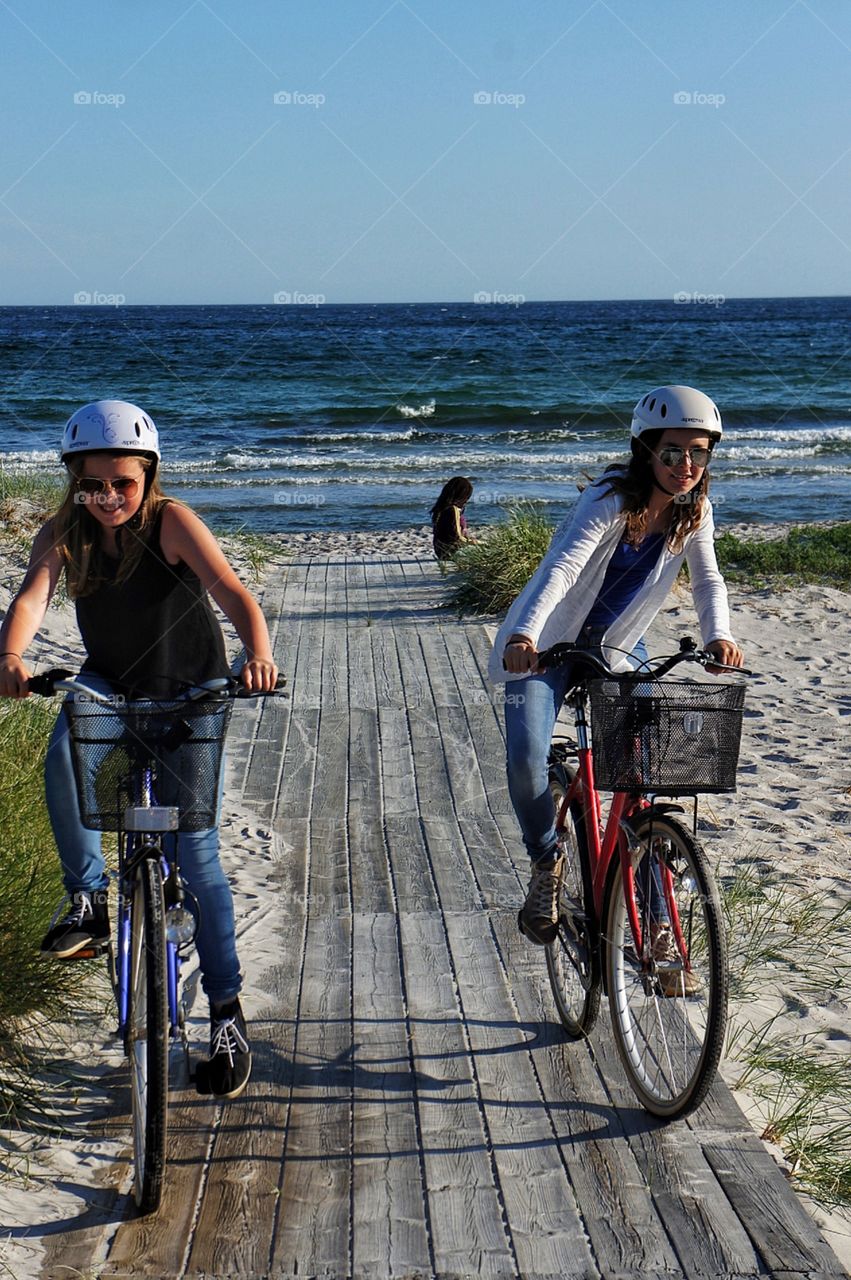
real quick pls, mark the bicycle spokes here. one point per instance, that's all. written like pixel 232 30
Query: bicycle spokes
pixel 668 1001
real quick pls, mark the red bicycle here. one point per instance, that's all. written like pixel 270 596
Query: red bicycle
pixel 640 917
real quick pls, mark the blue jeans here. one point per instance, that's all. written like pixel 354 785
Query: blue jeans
pixel 532 706
pixel 83 865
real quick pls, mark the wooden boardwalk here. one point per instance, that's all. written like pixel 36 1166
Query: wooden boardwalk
pixel 415 1110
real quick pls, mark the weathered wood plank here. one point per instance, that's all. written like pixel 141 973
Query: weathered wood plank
pixel 390 1229
pixel 468 1231
pixel 236 1217
pixel 370 871
pixel 546 1227
pixel 617 1208
pixel 705 1230
pixel 314 1223
pixel 786 1238
pixel 330 885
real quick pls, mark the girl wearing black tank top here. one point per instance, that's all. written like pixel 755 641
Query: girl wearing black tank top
pixel 139 567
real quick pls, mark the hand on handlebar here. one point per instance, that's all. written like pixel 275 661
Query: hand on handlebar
pixel 520 656
pixel 259 675
pixel 14 677
pixel 728 654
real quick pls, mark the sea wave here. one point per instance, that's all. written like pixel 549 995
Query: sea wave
pixel 425 410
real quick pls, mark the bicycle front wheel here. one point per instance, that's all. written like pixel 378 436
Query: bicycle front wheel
pixel 572 956
pixel 668 1006
pixel 147 1037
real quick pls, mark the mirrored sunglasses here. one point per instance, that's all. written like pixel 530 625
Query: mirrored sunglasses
pixel 672 455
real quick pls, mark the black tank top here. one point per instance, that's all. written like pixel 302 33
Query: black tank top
pixel 154 633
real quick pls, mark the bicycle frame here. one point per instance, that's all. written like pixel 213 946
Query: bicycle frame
pixel 602 842
pixel 133 847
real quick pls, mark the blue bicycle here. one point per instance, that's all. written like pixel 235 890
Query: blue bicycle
pixel 147 770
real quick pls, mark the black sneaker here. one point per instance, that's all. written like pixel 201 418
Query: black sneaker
pixel 86 924
pixel 226 1073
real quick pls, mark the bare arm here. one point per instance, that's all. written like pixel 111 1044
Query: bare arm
pixel 185 537
pixel 26 612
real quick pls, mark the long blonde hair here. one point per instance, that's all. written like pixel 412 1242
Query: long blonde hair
pixel 77 534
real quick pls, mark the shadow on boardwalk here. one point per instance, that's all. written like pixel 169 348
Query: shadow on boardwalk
pixel 414 1110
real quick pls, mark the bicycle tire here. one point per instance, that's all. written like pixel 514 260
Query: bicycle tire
pixel 573 965
pixel 147 1036
pixel 670 1044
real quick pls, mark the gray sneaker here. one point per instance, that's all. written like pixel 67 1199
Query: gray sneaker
pixel 538 918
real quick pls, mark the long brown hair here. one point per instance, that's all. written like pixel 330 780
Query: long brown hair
pixel 77 534
pixel 634 484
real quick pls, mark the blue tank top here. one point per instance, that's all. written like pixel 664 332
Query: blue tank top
pixel 628 570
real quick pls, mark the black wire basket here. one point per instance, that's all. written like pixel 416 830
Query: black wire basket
pixel 672 737
pixel 180 742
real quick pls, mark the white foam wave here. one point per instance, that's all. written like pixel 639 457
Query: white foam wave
pixel 802 435
pixel 425 410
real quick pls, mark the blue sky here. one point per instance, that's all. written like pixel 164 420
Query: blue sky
pixel 422 150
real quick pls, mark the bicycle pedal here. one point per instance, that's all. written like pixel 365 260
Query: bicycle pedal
pixel 88 953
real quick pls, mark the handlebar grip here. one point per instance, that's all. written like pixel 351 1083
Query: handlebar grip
pixel 43 684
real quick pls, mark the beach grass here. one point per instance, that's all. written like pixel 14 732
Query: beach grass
pixel 36 993
pixel 484 577
pixel 796 944
pixel 806 553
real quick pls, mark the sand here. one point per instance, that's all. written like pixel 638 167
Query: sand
pixel 790 818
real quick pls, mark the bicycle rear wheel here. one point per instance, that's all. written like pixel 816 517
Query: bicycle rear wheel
pixel 668 1012
pixel 572 956
pixel 147 1035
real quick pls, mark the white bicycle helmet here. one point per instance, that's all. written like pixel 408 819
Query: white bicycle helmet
pixel 110 424
pixel 676 407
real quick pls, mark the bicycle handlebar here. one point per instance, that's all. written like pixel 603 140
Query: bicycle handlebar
pixel 560 654
pixel 60 680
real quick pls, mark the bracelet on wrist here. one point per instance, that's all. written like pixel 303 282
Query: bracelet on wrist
pixel 10 653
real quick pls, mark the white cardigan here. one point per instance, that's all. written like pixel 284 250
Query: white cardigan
pixel 557 599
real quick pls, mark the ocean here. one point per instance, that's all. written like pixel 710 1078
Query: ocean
pixel 296 418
